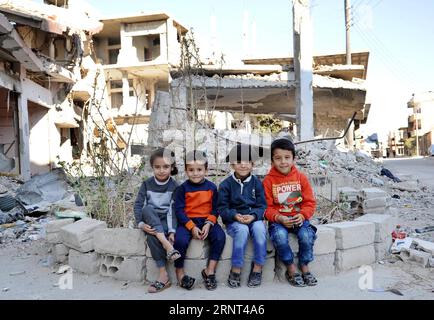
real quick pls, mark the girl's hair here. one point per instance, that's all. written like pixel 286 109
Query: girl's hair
pixel 166 154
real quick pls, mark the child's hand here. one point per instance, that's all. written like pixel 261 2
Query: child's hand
pixel 205 231
pixel 298 220
pixel 172 238
pixel 239 217
pixel 197 233
pixel 286 221
pixel 149 230
pixel 248 219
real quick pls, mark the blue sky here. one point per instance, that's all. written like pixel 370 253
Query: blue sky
pixel 398 34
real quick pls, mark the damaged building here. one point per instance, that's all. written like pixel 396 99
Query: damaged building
pixel 42 49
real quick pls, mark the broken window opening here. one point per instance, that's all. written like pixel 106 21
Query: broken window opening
pixel 9 132
pixel 147 47
pixel 113 56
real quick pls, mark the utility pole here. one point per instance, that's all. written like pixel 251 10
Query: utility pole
pixel 348 29
pixel 350 134
pixel 303 68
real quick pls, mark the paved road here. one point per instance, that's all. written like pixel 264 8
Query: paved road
pixel 420 168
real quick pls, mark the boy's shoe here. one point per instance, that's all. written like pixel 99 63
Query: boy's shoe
pixel 255 279
pixel 234 280
pixel 158 286
pixel 209 280
pixel 187 282
pixel 309 279
pixel 295 280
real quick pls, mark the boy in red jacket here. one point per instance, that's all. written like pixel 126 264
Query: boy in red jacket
pixel 291 204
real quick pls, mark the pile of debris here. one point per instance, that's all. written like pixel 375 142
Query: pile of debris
pixel 24 208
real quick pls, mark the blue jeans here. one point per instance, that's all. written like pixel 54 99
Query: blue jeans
pixel 240 233
pixel 306 235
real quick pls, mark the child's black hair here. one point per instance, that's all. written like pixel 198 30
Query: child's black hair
pixel 196 155
pixel 166 154
pixel 284 144
pixel 243 152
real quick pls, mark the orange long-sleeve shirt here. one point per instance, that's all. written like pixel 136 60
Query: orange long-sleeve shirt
pixel 288 194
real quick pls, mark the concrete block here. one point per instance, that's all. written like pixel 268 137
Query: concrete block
pixel 419 257
pixel 52 230
pixel 123 268
pixel 120 242
pixel 424 245
pixel 384 225
pixel 348 194
pixel 382 250
pixel 354 257
pixel 325 242
pixel 249 254
pixel 60 253
pixel 197 249
pixel 322 265
pixel 369 193
pixel 54 238
pixel 431 262
pixel 351 234
pixel 374 203
pixel 79 235
pixel 152 271
pixel 375 211
pixel 84 262
pixel 56 225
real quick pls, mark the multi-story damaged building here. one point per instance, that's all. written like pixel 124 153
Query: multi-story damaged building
pixel 42 49
pixel 137 53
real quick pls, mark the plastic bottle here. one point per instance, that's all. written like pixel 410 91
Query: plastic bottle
pixel 398 233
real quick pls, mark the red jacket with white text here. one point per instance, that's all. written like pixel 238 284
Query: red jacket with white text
pixel 288 194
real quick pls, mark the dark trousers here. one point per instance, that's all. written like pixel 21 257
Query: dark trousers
pixel 183 236
pixel 158 221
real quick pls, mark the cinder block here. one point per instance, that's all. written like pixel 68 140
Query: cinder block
pixel 424 245
pixel 322 265
pixel 56 225
pixel 374 203
pixel 152 271
pixel 348 194
pixel 54 238
pixel 369 193
pixel 351 234
pixel 354 257
pixel 60 253
pixel 384 225
pixel 375 211
pixel 224 268
pixel 249 253
pixel 324 244
pixel 79 235
pixel 52 230
pixel 419 257
pixel 382 249
pixel 197 249
pixel 84 262
pixel 123 268
pixel 120 242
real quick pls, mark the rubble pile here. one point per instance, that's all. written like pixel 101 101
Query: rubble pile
pixel 25 208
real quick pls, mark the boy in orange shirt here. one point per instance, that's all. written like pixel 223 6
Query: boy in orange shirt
pixel 291 203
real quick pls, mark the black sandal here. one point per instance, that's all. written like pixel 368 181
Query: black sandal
pixel 187 282
pixel 295 280
pixel 255 279
pixel 309 279
pixel 234 280
pixel 158 286
pixel 210 280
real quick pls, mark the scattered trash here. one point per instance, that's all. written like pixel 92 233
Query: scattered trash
pixel 7 203
pixel 70 214
pixel 394 291
pixel 381 262
pixel 17 273
pixel 5 289
pixel 395 196
pixel 387 173
pixel 63 269
pixel 425 229
pixel 377 182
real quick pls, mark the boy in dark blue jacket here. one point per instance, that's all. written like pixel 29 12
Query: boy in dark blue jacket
pixel 241 204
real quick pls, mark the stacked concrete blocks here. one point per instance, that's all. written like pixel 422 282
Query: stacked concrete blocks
pixel 53 230
pixel 79 235
pixel 374 200
pixel 384 225
pixel 354 244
